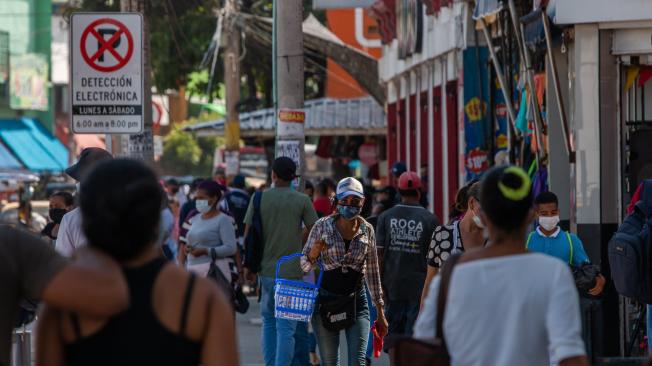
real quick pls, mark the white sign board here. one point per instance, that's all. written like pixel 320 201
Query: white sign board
pixel 291 149
pixel 232 159
pixel 290 123
pixel 158 146
pixel 138 146
pixel 106 73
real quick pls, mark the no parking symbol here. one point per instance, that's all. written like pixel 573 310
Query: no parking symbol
pixel 95 34
pixel 106 73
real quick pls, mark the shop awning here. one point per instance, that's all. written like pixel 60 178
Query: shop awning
pixel 7 160
pixel 485 8
pixel 33 145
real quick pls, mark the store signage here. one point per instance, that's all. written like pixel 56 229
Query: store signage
pixel 28 79
pixel 106 73
pixel 409 27
pixel 290 123
pixel 476 161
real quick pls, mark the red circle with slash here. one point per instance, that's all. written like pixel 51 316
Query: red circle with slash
pixel 106 45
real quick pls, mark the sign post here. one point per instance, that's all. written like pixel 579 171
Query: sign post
pixel 107 81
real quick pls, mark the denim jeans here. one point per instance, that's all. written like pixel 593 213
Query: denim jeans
pixel 401 316
pixel 284 342
pixel 357 337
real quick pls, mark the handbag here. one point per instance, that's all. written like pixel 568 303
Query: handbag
pixel 338 312
pixel 232 291
pixel 408 351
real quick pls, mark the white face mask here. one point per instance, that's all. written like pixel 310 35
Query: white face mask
pixel 202 206
pixel 477 221
pixel 549 222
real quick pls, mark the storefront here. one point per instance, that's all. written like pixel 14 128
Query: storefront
pixel 421 69
pixel 609 63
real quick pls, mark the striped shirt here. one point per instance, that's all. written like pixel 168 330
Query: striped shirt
pixel 361 256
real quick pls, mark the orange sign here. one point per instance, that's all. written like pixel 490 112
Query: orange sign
pixel 291 116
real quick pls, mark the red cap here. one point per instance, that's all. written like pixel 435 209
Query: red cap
pixel 409 181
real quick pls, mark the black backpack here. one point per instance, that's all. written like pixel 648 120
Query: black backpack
pixel 238 203
pixel 254 240
pixel 630 251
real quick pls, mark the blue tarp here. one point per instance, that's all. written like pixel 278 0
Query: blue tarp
pixel 33 145
pixel 7 160
pixel 484 8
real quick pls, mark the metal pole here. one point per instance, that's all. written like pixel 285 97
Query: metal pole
pixel 144 141
pixel 560 101
pixel 501 77
pixel 289 73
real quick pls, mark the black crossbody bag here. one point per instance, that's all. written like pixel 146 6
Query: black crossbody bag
pixel 338 312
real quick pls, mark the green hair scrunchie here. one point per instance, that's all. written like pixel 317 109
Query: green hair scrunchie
pixel 516 194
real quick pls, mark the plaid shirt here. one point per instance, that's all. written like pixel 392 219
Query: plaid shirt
pixel 361 257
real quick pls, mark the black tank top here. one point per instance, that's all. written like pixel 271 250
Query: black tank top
pixel 136 337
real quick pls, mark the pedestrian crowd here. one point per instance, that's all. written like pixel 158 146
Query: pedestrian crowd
pixel 131 276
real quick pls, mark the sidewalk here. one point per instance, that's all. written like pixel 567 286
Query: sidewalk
pixel 249 340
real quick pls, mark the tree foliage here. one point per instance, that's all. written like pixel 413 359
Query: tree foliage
pixel 180 32
pixel 184 153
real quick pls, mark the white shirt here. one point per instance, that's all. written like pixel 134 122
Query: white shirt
pixel 514 310
pixel 70 237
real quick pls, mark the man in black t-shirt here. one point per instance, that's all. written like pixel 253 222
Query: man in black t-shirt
pixel 403 238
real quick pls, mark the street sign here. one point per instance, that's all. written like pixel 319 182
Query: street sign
pixel 106 73
pixel 290 123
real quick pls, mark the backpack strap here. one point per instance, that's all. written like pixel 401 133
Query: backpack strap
pixel 527 243
pixel 570 245
pixel 258 197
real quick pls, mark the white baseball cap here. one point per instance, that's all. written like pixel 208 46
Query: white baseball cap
pixel 349 187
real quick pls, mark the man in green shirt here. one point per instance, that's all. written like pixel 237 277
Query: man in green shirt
pixel 287 218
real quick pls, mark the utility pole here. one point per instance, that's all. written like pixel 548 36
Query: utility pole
pixel 288 77
pixel 140 146
pixel 232 89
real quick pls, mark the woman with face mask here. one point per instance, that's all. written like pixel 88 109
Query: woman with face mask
pixel 346 245
pixel 457 237
pixel 211 234
pixel 60 204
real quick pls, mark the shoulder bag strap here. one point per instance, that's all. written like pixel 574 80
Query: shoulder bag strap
pixel 442 298
pixel 570 245
pixel 527 243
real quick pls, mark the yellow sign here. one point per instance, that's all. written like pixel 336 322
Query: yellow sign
pixel 475 109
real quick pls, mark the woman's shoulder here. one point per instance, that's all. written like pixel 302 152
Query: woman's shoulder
pixel 443 232
pixel 324 221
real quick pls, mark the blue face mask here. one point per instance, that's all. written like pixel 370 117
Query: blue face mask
pixel 348 212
